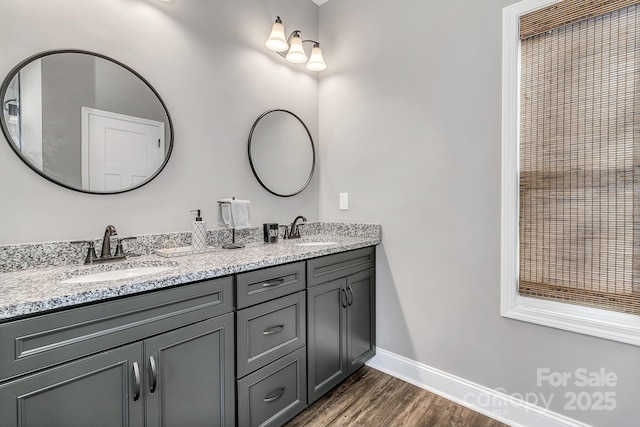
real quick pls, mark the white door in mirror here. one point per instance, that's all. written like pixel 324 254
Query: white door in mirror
pixel 119 151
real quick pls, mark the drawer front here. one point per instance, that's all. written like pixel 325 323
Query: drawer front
pixel 37 342
pixel 274 394
pixel 332 267
pixel 255 287
pixel 270 330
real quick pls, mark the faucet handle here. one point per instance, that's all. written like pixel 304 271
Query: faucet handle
pixel 91 250
pixel 119 249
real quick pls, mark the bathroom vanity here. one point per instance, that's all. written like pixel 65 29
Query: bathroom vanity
pixel 247 337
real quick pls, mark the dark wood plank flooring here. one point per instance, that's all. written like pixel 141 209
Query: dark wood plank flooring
pixel 370 398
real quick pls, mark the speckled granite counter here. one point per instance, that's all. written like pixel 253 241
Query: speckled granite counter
pixel 36 290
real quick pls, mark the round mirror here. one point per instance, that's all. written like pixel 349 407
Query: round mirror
pixel 85 121
pixel 281 153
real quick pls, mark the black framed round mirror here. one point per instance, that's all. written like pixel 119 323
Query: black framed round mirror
pixel 281 153
pixel 85 121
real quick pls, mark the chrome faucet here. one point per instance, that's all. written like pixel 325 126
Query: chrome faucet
pixel 106 241
pixel 294 230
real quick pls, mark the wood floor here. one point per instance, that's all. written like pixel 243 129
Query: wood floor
pixel 370 398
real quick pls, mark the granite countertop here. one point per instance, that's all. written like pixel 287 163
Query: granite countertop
pixel 37 290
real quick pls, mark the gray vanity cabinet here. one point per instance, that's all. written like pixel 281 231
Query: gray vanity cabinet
pixel 183 357
pixel 340 318
pixel 163 358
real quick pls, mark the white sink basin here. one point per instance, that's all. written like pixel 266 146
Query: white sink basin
pixel 315 243
pixel 127 273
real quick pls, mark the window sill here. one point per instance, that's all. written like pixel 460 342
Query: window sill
pixel 584 320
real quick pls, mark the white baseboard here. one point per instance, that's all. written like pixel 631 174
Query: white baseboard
pixel 486 401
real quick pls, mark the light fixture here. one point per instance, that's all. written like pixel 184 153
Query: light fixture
pixel 277 41
pixel 293 46
pixel 296 51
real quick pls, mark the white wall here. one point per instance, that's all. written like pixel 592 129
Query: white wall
pixel 410 127
pixel 207 60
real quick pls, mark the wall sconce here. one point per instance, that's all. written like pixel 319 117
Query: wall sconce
pixel 292 45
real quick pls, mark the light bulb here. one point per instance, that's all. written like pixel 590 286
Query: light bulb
pixel 296 52
pixel 316 62
pixel 277 42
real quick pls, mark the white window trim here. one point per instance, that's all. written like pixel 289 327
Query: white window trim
pixel 585 320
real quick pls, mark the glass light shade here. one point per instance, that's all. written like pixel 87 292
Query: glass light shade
pixel 277 42
pixel 296 52
pixel 316 62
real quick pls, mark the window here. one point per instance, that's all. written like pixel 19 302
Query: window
pixel 571 145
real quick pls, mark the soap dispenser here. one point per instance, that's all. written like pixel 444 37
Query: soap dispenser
pixel 198 233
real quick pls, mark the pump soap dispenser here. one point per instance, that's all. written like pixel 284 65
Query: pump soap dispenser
pixel 198 233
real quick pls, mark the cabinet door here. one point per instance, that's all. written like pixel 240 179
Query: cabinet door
pixel 100 390
pixel 360 319
pixel 326 337
pixel 190 375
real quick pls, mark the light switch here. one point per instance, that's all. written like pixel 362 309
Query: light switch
pixel 344 201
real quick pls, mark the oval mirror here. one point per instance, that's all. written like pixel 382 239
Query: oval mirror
pixel 85 121
pixel 281 153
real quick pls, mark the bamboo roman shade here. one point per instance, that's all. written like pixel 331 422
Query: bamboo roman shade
pixel 580 154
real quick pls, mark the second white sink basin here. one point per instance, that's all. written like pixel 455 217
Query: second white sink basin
pixel 315 243
pixel 127 273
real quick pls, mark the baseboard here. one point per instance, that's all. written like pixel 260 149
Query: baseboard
pixel 486 401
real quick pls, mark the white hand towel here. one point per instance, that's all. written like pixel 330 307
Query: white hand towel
pixel 241 214
pixel 234 213
pixel 224 212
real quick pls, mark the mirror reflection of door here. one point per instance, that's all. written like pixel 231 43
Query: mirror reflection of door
pixel 119 151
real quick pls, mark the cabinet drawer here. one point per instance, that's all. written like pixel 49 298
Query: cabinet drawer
pixel 270 330
pixel 259 286
pixel 35 343
pixel 274 394
pixel 332 267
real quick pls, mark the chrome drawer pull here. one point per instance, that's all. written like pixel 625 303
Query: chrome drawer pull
pixel 273 283
pixel 273 330
pixel 274 395
pixel 136 377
